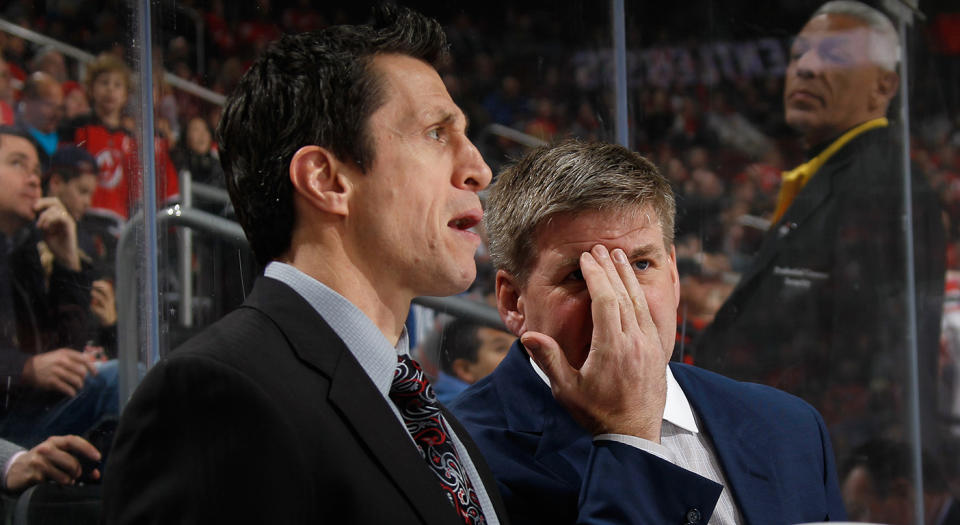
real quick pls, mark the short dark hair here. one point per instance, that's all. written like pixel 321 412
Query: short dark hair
pixel 69 162
pixel 458 340
pixel 315 88
pixel 17 131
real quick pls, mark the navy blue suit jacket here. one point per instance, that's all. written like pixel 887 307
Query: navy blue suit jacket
pixel 773 447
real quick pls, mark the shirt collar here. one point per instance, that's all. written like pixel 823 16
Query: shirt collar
pixel 676 410
pixel 359 333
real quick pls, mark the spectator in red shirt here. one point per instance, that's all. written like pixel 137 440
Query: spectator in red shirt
pixel 102 134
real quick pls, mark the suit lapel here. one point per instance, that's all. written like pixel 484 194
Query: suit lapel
pixel 738 437
pixel 354 395
pixel 532 409
pixel 810 198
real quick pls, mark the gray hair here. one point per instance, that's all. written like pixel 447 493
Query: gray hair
pixel 885 50
pixel 569 177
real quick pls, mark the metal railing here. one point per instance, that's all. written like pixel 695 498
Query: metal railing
pixel 129 338
pixel 84 57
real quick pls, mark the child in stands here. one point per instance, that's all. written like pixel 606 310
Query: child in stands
pixel 101 133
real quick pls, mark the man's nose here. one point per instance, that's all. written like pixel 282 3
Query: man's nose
pixel 471 172
pixel 33 179
pixel 808 64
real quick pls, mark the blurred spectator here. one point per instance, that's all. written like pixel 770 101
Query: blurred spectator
pixel 949 362
pixel 41 110
pixel 586 125
pixel 877 485
pixel 44 318
pixel 196 154
pixel 301 17
pixel 506 105
pixel 703 288
pixel 543 125
pixel 50 61
pixel 733 130
pixel 466 353
pixel 75 103
pixel 72 178
pixel 165 103
pixel 6 95
pixel 103 135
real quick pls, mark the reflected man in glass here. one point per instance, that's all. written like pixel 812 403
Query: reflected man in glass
pixel 822 311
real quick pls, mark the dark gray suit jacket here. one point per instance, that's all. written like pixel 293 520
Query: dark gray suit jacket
pixel 266 417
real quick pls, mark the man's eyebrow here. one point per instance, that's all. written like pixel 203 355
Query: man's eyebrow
pixel 446 116
pixel 17 155
pixel 647 250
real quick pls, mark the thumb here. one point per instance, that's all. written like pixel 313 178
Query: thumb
pixel 549 357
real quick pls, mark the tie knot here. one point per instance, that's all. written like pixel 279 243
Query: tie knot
pixel 411 391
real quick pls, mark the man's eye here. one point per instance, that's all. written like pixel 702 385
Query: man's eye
pixel 798 50
pixel 575 275
pixel 434 133
pixel 834 52
pixel 641 265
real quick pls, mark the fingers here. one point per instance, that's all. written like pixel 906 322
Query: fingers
pixel 56 459
pixel 51 212
pixel 604 304
pixel 78 445
pixel 61 385
pixel 67 369
pixel 103 287
pixel 46 202
pixel 638 300
pixel 550 358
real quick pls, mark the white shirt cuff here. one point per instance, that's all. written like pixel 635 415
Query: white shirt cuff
pixel 8 464
pixel 646 445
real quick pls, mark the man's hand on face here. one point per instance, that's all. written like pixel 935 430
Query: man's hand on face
pixel 53 460
pixel 621 387
pixel 59 231
pixel 62 370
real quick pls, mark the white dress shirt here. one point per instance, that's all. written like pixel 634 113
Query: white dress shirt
pixel 682 444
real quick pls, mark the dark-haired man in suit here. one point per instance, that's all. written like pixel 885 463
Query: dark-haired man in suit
pixel 353 178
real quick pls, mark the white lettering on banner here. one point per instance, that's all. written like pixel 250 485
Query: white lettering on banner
pixel 707 64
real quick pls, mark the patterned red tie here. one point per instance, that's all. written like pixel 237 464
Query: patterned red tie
pixel 413 395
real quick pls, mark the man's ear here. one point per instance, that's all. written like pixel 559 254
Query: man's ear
pixel 462 370
pixel 510 303
pixel 318 176
pixel 888 82
pixel 54 185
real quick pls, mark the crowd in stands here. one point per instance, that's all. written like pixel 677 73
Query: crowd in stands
pixel 722 144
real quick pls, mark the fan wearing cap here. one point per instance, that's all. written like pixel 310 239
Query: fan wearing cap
pixel 72 178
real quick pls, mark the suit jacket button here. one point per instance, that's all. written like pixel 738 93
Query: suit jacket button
pixel 693 516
